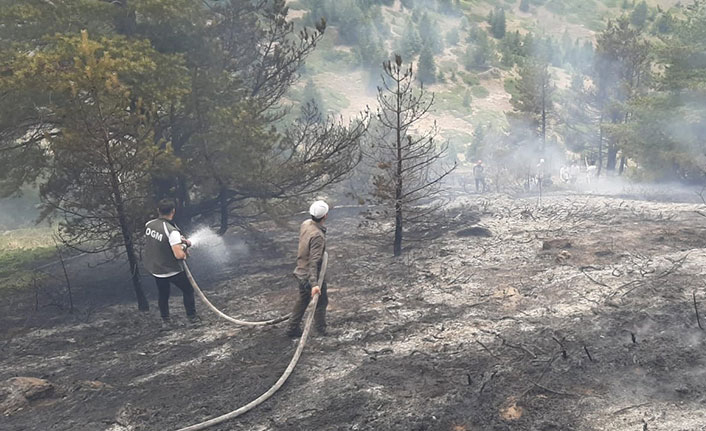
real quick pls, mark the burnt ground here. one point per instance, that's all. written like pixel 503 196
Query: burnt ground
pixel 596 332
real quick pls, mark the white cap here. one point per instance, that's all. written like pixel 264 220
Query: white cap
pixel 318 209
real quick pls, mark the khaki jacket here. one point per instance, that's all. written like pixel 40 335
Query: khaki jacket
pixel 312 244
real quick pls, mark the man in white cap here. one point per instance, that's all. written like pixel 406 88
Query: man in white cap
pixel 312 244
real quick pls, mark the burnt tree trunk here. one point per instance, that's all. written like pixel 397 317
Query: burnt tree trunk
pixel 398 186
pixel 126 20
pixel 544 119
pixel 128 240
pixel 409 163
pixel 611 158
pixel 142 303
pixel 224 211
pixel 599 164
pixel 129 243
pixel 185 210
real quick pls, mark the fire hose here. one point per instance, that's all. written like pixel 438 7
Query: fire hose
pixel 290 368
pixel 198 290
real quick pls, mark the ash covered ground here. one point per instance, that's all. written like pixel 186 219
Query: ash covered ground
pixel 576 314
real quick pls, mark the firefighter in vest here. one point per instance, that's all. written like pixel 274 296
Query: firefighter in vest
pixel 312 244
pixel 164 248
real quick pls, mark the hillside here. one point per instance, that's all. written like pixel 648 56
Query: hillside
pixel 467 96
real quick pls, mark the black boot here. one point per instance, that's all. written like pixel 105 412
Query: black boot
pixel 167 324
pixel 294 332
pixel 194 320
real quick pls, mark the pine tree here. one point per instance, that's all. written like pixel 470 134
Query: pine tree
pixel 426 72
pixel 408 159
pixel 534 95
pixel 144 105
pixel 524 5
pixel 411 43
pixel 480 54
pixel 567 48
pixel 430 34
pixel 507 58
pixel 511 49
pixel 467 99
pixel 498 25
pixel 664 23
pixel 582 117
pixel 349 17
pixel 638 17
pixel 370 49
pixel 621 70
pixel 528 45
pixel 667 127
pixel 453 37
pixel 94 144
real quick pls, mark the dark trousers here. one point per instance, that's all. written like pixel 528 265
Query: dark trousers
pixel 303 301
pixel 480 185
pixel 187 291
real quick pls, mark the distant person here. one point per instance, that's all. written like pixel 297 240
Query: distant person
pixel 591 172
pixel 564 174
pixel 574 173
pixel 312 244
pixel 479 176
pixel 164 248
pixel 540 173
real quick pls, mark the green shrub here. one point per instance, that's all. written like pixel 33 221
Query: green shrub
pixel 469 79
pixel 479 92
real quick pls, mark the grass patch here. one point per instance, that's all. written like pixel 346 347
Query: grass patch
pixel 451 100
pixel 458 143
pixel 474 17
pixel 449 66
pixel 296 5
pixel 510 86
pixel 21 251
pixel 329 57
pixel 479 92
pixel 580 12
pixel 470 79
pixel 26 239
pixel 494 119
pixel 16 267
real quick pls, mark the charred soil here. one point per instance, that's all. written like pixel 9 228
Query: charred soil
pixel 463 332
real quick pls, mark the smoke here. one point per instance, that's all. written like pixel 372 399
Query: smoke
pixel 20 212
pixel 207 243
pixel 510 149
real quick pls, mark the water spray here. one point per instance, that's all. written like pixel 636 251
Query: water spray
pixel 211 243
pixel 214 245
